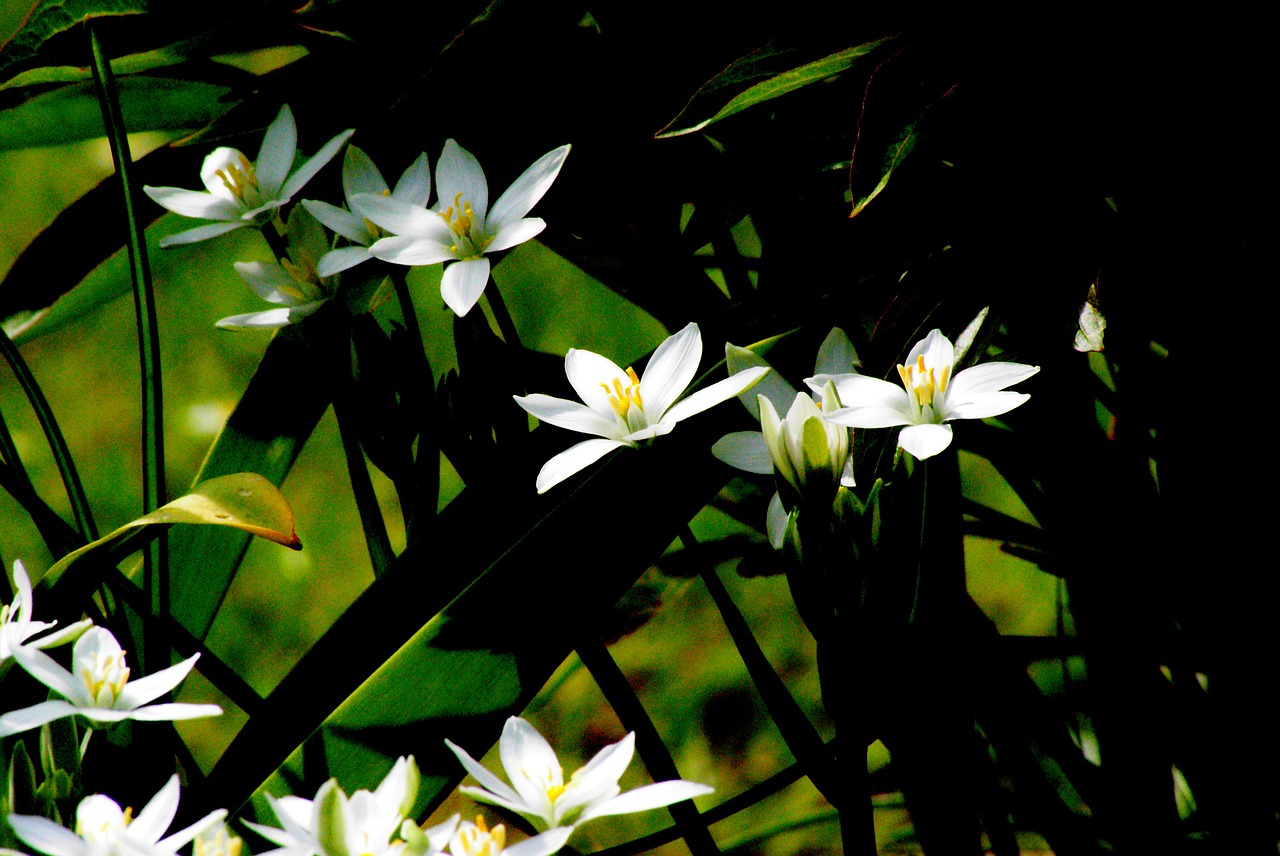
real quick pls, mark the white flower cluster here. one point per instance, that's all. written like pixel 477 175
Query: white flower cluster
pixel 394 225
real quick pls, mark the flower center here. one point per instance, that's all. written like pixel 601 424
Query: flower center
pixel 218 843
pixel 479 841
pixel 105 676
pixel 623 396
pixel 460 218
pixel 924 383
pixel 103 827
pixel 241 180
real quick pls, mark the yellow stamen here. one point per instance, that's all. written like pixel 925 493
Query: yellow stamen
pixel 623 397
pixel 554 792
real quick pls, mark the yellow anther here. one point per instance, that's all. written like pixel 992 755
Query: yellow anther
pixel 622 397
pixel 128 816
pixel 554 792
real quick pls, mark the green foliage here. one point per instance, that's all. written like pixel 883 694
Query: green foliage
pixel 47 18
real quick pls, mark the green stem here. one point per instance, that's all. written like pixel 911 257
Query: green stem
pixel 156 556
pixel 61 454
pixel 801 737
pixel 620 695
pixel 375 528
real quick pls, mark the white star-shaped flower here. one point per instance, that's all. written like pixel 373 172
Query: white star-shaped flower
pixel 240 192
pixel 930 395
pixel 539 792
pixel 99 689
pixel 16 625
pixel 462 226
pixel 624 408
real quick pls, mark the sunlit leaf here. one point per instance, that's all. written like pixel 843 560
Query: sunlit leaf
pixel 47 18
pixel 244 501
pixel 72 113
pixel 1093 324
pixel 748 68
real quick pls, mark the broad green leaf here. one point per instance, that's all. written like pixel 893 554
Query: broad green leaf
pixel 47 18
pixel 894 155
pixel 125 65
pixel 779 84
pixel 72 113
pixel 244 501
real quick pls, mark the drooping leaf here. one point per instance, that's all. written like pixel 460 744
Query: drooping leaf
pixel 693 117
pixel 71 113
pixel 894 155
pixel 244 501
pixel 47 18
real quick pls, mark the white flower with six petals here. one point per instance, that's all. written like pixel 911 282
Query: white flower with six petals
pixel 625 409
pixel 240 192
pixel 462 225
pixel 16 626
pixel 99 689
pixel 930 395
pixel 539 792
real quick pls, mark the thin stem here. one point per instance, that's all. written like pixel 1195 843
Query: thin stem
pixel 375 529
pixel 801 737
pixel 61 454
pixel 620 695
pixel 156 556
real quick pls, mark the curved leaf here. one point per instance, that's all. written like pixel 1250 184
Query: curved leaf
pixel 47 18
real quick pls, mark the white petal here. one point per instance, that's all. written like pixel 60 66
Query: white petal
pixel 336 261
pixel 414 185
pixel 359 175
pixel 407 250
pixel 143 690
pixel 462 284
pixel 48 837
pixel 275 158
pixel 712 395
pixel 745 450
pixel 525 191
pixel 987 377
pixel 23 596
pixel 592 376
pixel 158 813
pixel 936 350
pixel 17 721
pixel 217 161
pixel 540 845
pixel 870 403
pixel 460 178
pixel 314 164
pixel 272 318
pixel 670 370
pixel 529 760
pixel 510 234
pixel 925 441
pixel 648 797
pixel 200 233
pixel 481 774
pixel 572 460
pixel 271 282
pixel 990 404
pixel 401 218
pixel 836 354
pixel 514 804
pixel 776 520
pixel 44 669
pixel 194 203
pixel 869 416
pixel 174 711
pixel 66 634
pixel 568 414
pixel 340 220
pixel 183 837
pixel 598 780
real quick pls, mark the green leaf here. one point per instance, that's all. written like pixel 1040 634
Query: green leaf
pixel 244 501
pixel 132 64
pixel 894 155
pixel 47 18
pixel 71 113
pixel 22 781
pixel 779 84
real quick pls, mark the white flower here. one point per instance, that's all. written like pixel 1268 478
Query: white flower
pixel 625 409
pixel 16 626
pixel 360 825
pixel 99 689
pixel 781 441
pixel 539 792
pixel 359 175
pixel 103 829
pixel 461 226
pixel 476 839
pixel 243 193
pixel 293 284
pixel 929 396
